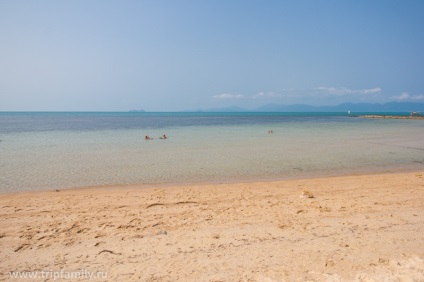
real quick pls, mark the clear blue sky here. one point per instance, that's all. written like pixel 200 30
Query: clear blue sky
pixel 178 55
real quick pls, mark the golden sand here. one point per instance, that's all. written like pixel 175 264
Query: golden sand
pixel 361 228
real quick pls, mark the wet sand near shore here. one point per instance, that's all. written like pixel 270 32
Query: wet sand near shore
pixel 360 228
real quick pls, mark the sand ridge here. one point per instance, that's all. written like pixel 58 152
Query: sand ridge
pixel 350 228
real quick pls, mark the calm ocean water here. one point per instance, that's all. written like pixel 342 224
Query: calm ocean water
pixel 61 150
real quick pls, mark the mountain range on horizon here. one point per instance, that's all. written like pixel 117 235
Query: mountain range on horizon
pixel 353 107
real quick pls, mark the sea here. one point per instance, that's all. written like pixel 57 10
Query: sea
pixel 58 150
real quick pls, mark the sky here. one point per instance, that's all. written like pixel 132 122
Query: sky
pixel 185 55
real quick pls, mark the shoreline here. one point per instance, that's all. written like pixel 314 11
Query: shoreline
pixel 330 228
pixel 390 117
pixel 318 175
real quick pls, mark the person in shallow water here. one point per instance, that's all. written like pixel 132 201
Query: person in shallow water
pixel 163 137
pixel 147 137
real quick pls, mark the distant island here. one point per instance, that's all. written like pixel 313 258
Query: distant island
pixel 137 111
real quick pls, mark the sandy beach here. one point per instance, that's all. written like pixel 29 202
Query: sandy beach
pixel 349 228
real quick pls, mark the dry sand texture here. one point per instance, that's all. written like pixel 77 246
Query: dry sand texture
pixel 360 228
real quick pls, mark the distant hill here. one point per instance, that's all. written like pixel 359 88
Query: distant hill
pixel 353 107
pixel 290 108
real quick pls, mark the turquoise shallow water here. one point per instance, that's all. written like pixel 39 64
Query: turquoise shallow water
pixel 61 150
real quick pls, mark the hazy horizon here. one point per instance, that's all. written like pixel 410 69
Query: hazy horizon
pixel 391 107
pixel 187 55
